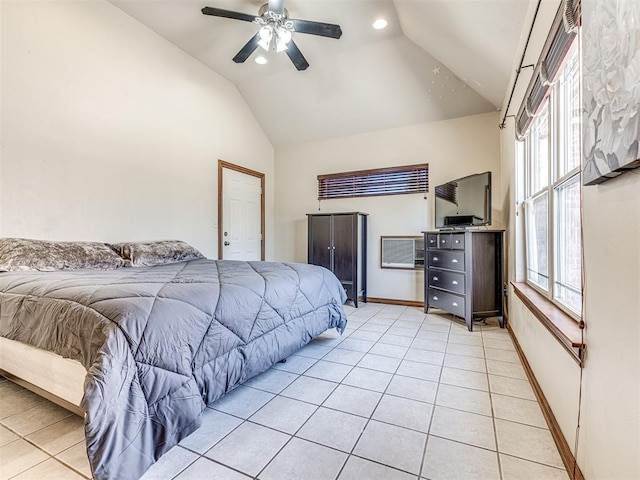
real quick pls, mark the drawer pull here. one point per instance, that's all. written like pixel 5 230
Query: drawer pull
pixel 455 282
pixel 454 261
pixel 435 298
pixel 435 279
pixel 455 304
pixel 435 259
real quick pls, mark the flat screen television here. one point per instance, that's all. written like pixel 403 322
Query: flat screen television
pixel 464 202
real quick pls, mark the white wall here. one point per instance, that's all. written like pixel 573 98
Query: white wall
pixel 452 148
pixel 556 371
pixel 609 437
pixel 111 133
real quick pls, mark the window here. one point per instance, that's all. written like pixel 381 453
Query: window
pixel 552 191
pixel 381 181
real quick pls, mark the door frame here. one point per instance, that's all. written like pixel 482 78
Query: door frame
pixel 230 166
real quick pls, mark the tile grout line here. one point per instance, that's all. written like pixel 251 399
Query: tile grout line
pixel 51 456
pixel 318 406
pixel 351 452
pixel 493 416
pixel 245 420
pixel 433 411
pixel 34 444
pixel 433 405
pixel 397 396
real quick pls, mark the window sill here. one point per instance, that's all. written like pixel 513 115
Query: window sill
pixel 564 328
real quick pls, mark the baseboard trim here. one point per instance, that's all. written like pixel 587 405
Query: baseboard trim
pixel 393 301
pixel 563 447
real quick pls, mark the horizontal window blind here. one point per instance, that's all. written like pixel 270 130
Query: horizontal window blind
pixel 381 181
pixel 561 36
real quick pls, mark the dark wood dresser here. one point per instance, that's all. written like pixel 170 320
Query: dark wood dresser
pixel 338 242
pixel 463 273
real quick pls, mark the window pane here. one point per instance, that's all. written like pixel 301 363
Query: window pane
pixel 539 151
pixel 537 232
pixel 570 116
pixel 568 256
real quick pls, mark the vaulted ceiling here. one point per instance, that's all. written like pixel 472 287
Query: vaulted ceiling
pixel 436 60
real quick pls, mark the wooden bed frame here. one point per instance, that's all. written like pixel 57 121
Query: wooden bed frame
pixel 58 379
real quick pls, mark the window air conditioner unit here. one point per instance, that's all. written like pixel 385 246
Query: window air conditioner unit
pixel 402 252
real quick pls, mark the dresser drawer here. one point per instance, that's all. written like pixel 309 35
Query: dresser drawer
pixel 450 260
pixel 451 281
pixel 448 302
pixel 432 240
pixel 457 241
pixel 447 241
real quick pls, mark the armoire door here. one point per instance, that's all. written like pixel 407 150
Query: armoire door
pixel 344 238
pixel 320 245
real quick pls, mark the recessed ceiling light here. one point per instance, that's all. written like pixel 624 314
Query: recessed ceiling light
pixel 380 23
pixel 261 60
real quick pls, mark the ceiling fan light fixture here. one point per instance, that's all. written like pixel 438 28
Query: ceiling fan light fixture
pixel 275 31
pixel 380 23
pixel 274 37
pixel 260 60
pixel 283 37
pixel 266 34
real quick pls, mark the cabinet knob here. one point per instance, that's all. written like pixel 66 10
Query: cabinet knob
pixel 435 279
pixel 454 261
pixel 455 304
pixel 457 241
pixel 454 282
pixel 444 241
pixel 435 298
pixel 431 241
pixel 435 259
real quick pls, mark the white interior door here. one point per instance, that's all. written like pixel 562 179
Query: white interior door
pixel 241 216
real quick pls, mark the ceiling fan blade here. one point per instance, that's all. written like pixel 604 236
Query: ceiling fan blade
pixel 246 51
pixel 219 12
pixel 276 6
pixel 316 28
pixel 296 56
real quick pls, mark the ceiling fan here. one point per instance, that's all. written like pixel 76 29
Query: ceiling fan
pixel 275 31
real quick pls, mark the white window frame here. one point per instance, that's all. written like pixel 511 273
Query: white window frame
pixel 554 183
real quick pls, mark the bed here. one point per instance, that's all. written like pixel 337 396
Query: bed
pixel 160 342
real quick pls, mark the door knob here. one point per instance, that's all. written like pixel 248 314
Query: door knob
pixel 226 244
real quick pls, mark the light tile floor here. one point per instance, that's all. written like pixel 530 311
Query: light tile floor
pixel 400 396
